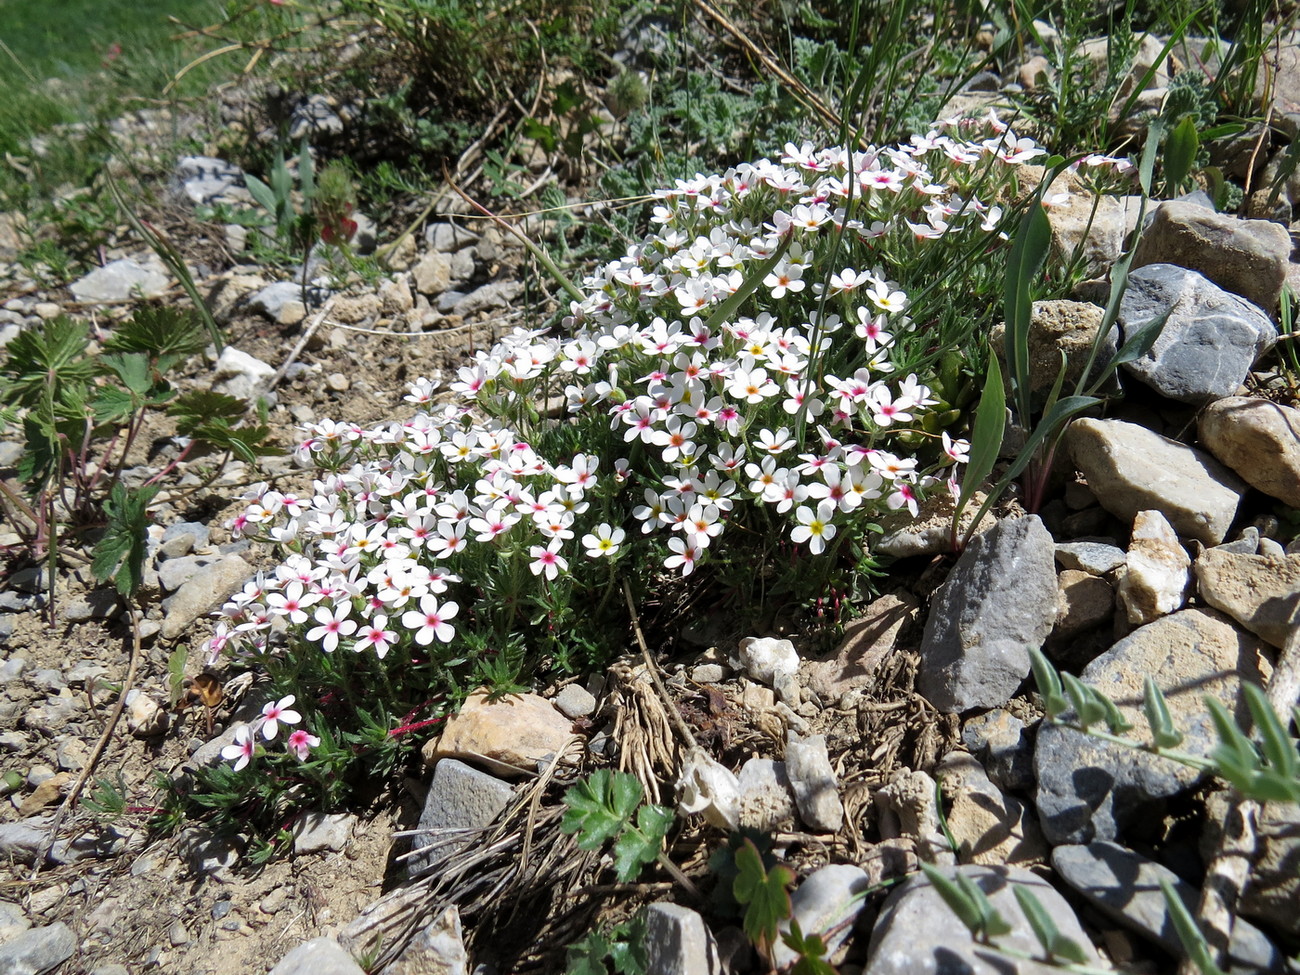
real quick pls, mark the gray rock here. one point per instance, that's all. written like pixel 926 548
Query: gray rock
pixel 314 117
pixel 1273 887
pixel 1258 439
pixel 1090 789
pixel 439 949
pixel 271 300
pixel 20 840
pixel 12 669
pixel 98 604
pixel 13 922
pixel 448 300
pixel 826 902
pixel 205 180
pixel 202 593
pixel 1126 887
pixel 677 942
pixel 38 950
pixel 448 238
pixel 1209 342
pixel 1260 592
pixel 319 956
pixel 917 934
pixel 1246 542
pixel 461 800
pixel 1132 469
pixel 1246 257
pixel 209 854
pixel 432 273
pixel 241 375
pixel 766 800
pixel 998 601
pixel 175 572
pixel 575 701
pixel 1095 558
pixel 120 280
pixel 182 537
pixel 317 831
pixel 488 297
pixel 816 791
pixel 1000 740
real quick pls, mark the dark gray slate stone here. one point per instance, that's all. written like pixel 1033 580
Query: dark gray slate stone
pixel 999 601
pixel 1090 789
pixel 460 798
pixel 917 934
pixel 1126 887
pixel 38 950
pixel 1209 343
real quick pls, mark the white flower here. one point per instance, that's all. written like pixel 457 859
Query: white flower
pixel 604 542
pixel 814 527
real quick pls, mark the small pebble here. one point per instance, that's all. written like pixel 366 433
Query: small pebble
pixel 336 382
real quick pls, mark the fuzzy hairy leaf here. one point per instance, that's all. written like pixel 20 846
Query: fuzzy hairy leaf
pixel 1156 709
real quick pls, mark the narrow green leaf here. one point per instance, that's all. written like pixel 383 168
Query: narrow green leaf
pixel 725 311
pixel 1181 147
pixel 986 437
pixel 1194 943
pixel 1279 750
pixel 1140 342
pixel 1040 922
pixel 1116 723
pixel 1048 680
pixel 1024 266
pixel 1087 708
pixel 262 193
pixel 1156 709
pixel 992 923
pixel 958 901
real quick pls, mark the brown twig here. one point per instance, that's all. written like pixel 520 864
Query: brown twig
pixel 75 792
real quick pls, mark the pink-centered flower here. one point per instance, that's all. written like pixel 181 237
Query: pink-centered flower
pixel 241 750
pixel 301 743
pixel 430 621
pixel 334 625
pixel 279 711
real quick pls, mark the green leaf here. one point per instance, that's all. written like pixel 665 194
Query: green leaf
pixel 166 335
pixel 765 894
pixel 1055 944
pixel 1024 268
pixel 1156 709
pixel 600 806
pixel 811 950
pixel 44 360
pixel 1194 943
pixel 1278 748
pixel 176 672
pixel 1087 708
pixel 992 923
pixel 262 193
pixel 986 438
pixel 120 554
pixel 1049 684
pixel 1180 152
pixel 130 367
pixel 1139 343
pixel 966 909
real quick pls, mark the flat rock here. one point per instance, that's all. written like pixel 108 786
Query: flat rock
pixel 826 902
pixel 202 593
pixel 678 942
pixel 432 273
pixel 314 832
pixel 1258 439
pixel 1132 469
pixel 319 956
pixel 38 950
pixel 1090 789
pixel 120 280
pixel 1260 592
pixel 460 801
pixel 1126 887
pixel 1157 571
pixel 575 701
pixel 1209 342
pixel 988 826
pixel 816 790
pixel 488 297
pixel 998 601
pixel 1245 257
pixel 868 641
pixel 1095 558
pixel 917 934
pixel 514 734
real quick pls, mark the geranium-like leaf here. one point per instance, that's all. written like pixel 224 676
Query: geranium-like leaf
pixel 600 806
pixel 120 553
pixel 765 894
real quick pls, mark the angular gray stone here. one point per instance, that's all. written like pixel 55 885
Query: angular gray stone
pixel 816 791
pixel 1000 740
pixel 119 280
pixel 38 950
pixel 1260 440
pixel 826 902
pixel 202 592
pixel 766 799
pixel 204 179
pixel 1126 887
pixel 1245 257
pixel 448 238
pixel 917 934
pixel 488 297
pixel 575 701
pixel 1130 469
pixel 461 799
pixel 182 537
pixel 1209 342
pixel 677 942
pixel 271 300
pixel 319 956
pixel 1089 789
pixel 1095 558
pixel 998 601
pixel 316 831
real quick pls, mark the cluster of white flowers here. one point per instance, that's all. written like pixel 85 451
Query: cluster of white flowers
pixel 794 404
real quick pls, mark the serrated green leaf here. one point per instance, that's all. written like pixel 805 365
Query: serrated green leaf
pixel 165 335
pixel 132 368
pixel 120 553
pixel 201 406
pixel 43 361
pixel 632 850
pixel 597 810
pixel 765 894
